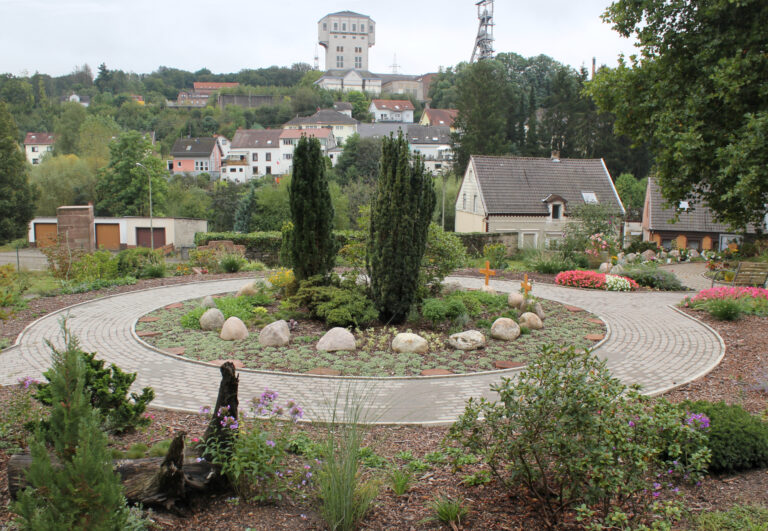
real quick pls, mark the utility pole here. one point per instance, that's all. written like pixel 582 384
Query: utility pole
pixel 151 227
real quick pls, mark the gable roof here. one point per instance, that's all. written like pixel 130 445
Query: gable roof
pixel 520 185
pixel 256 138
pixel 441 116
pixel 380 130
pixel 39 139
pixel 340 74
pixel 323 117
pixel 393 105
pixel 700 219
pixel 342 106
pixel 428 134
pixel 193 147
pixel 212 85
pixel 311 133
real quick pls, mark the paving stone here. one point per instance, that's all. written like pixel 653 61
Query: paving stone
pixel 504 364
pixel 237 363
pixel 178 351
pixel 435 372
pixel 596 321
pixel 148 319
pixel 174 306
pixel 594 337
pixel 148 333
pixel 573 308
pixel 324 371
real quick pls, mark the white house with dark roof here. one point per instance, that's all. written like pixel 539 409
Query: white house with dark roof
pixel 434 144
pixel 530 196
pixel 253 153
pixel 37 145
pixel 400 111
pixel 342 125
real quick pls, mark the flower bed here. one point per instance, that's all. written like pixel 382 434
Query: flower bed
pixel 590 279
pixel 749 300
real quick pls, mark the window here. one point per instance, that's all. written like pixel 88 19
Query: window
pixel 354 27
pixel 35 161
pixel 268 157
pixel 556 210
pixel 287 156
pixel 335 26
pixel 325 26
pixel 269 170
pixel 34 149
pixel 358 49
pixel 362 28
pixel 684 205
pixel 255 170
pixel 201 165
pixel 287 142
pixel 178 164
pixel 474 203
pixel 240 170
pixel 255 157
pixel 339 61
pixel 344 26
pixel 589 197
pixel 464 201
pixel 358 62
pixel 339 48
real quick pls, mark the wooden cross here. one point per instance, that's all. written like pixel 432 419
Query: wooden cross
pixel 525 285
pixel 488 272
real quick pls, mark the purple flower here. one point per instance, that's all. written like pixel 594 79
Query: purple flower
pixel 200 459
pixel 271 444
pixel 698 421
pixel 655 494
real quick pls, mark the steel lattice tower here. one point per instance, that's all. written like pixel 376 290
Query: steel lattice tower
pixel 484 40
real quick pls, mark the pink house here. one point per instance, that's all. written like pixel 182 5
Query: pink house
pixel 195 156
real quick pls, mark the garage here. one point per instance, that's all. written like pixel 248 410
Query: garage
pixel 108 236
pixel 45 234
pixel 143 237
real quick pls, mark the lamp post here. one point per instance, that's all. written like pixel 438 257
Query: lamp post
pixel 151 227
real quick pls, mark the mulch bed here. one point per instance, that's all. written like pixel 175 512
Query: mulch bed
pixel 736 379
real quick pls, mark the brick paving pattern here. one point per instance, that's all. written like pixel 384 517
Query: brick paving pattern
pixel 647 342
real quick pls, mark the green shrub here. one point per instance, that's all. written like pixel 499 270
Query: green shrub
pixel 496 255
pixel 240 307
pixel 653 277
pixel 575 437
pixel 207 259
pixel 725 309
pixel 339 304
pixel 153 270
pixel 435 311
pixel 191 319
pixel 444 254
pixel 68 287
pixel 107 390
pixel 133 261
pixel 448 510
pixel 639 247
pixel 738 440
pixel 98 265
pixel 552 266
pixel 400 480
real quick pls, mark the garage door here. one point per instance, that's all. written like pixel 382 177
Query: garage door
pixel 143 238
pixel 45 234
pixel 108 236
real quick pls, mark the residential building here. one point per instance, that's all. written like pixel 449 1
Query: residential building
pixel 346 37
pixel 206 88
pixel 344 107
pixel 253 153
pixel 434 144
pixel 348 80
pixel 342 125
pixel 530 197
pixel 36 145
pixel 200 93
pixel 392 111
pixel 290 137
pixel 196 156
pixel 381 130
pixel 695 227
pixel 440 117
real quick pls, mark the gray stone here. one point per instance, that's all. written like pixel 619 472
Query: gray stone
pixel 618 269
pixel 516 300
pixel 631 257
pixel 531 320
pixel 212 320
pixel 208 302
pixel 505 329
pixel 451 287
pixel 275 334
pixel 407 342
pixel 469 340
pixel 337 339
pixel 539 310
pixel 605 267
pixel 648 255
pixel 233 329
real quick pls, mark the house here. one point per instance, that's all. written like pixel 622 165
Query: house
pixel 348 80
pixel 344 107
pixel 196 156
pixel 253 153
pixel 198 96
pixel 36 145
pixel 695 228
pixel 530 197
pixel 392 111
pixel 83 100
pixel 290 137
pixel 380 130
pixel 434 144
pixel 342 125
pixel 443 117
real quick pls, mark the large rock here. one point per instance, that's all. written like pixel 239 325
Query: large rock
pixel 451 287
pixel 505 329
pixel 252 288
pixel 648 255
pixel 618 269
pixel 539 310
pixel 234 328
pixel 337 339
pixel 275 334
pixel 469 340
pixel 531 321
pixel 631 257
pixel 605 267
pixel 407 342
pixel 208 302
pixel 674 253
pixel 212 320
pixel 516 300
pixel 693 253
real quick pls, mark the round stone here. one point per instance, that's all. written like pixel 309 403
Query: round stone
pixel 531 321
pixel 407 342
pixel 505 329
pixel 233 329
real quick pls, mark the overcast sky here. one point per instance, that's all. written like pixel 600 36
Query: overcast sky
pixel 53 36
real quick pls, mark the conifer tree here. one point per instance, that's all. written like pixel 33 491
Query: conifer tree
pixel 17 195
pixel 400 214
pixel 82 491
pixel 245 208
pixel 313 248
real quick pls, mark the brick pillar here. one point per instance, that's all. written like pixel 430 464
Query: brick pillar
pixel 76 225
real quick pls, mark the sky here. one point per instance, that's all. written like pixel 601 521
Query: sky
pixel 54 36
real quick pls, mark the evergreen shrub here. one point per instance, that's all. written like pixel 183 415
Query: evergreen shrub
pixel 653 277
pixel 134 262
pixel 336 304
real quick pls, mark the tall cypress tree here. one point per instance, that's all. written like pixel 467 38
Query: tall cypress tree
pixel 313 248
pixel 400 214
pixel 17 195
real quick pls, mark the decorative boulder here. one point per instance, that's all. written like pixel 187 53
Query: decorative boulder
pixel 605 267
pixel 648 255
pixel 252 288
pixel 516 300
pixel 451 287
pixel 531 320
pixel 469 340
pixel 337 339
pixel 674 253
pixel 505 329
pixel 212 320
pixel 233 329
pixel 208 302
pixel 539 310
pixel 275 334
pixel 407 342
pixel 631 257
pixel 488 289
pixel 693 253
pixel 618 269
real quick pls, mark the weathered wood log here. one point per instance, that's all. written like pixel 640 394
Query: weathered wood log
pixel 225 401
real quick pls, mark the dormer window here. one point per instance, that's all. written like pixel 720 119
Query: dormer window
pixel 684 205
pixel 589 197
pixel 557 210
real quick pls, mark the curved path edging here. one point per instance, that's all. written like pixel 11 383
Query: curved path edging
pixel 647 342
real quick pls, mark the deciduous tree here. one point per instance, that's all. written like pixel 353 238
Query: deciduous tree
pixel 17 195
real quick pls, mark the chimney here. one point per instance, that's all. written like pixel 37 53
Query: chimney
pixel 593 68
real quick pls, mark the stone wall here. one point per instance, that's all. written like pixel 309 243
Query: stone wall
pixel 75 223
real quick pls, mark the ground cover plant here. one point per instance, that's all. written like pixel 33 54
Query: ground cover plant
pixel 374 356
pixel 593 280
pixel 729 303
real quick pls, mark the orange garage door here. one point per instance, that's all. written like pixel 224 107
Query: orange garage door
pixel 108 236
pixel 45 234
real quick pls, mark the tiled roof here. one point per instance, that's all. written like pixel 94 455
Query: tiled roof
pixel 256 138
pixel 519 185
pixel 39 139
pixel 441 116
pixel 342 106
pixel 427 134
pixel 700 219
pixel 312 133
pixel 193 147
pixel 323 117
pixel 393 105
pixel 212 85
pixel 379 130
pixel 338 74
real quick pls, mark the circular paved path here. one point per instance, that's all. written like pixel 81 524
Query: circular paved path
pixel 648 342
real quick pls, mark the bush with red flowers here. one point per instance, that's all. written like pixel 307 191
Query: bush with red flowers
pixel 591 279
